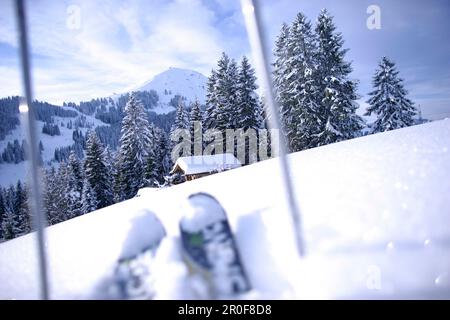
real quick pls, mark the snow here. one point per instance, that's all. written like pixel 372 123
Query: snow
pixel 171 275
pixel 145 191
pixel 10 173
pixel 145 229
pixel 375 215
pixel 206 163
pixel 163 109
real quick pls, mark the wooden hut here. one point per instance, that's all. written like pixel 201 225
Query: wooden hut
pixel 195 167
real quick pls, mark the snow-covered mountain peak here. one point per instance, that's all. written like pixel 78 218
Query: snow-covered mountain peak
pixel 188 83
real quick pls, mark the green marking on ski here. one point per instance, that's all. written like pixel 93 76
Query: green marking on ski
pixel 196 240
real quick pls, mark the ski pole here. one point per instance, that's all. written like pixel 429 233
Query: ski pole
pixel 26 108
pixel 250 9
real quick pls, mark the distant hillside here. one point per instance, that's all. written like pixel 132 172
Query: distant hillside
pixel 63 129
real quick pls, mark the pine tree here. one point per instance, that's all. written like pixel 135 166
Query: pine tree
pixel 389 100
pixel 8 223
pixel 196 127
pixel 279 69
pixel 231 92
pixel 211 102
pixel 181 118
pixel 299 87
pixel 117 179
pixel 248 106
pixel 338 111
pixel 2 214
pixel 51 197
pixel 249 112
pixel 74 187
pixel 151 172
pixel 181 123
pixel 135 144
pixel 226 93
pixel 96 171
pixel 222 109
pixel 162 154
pixel 62 198
pixel 21 221
pixel 109 157
pixel 88 198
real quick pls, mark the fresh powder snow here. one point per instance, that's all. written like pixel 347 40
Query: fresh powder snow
pixel 374 211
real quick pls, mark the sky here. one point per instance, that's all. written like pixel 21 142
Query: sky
pixel 92 48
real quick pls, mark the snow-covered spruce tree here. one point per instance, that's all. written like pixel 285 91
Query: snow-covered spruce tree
pixel 117 179
pixel 211 102
pixel 49 194
pixel 109 157
pixel 111 162
pixel 88 199
pixel 226 93
pixel 248 113
pixel 162 154
pixel 151 178
pixel 74 187
pixel 299 95
pixel 135 144
pixel 151 172
pixel 181 123
pixel 221 112
pixel 56 198
pixel 338 93
pixel 181 118
pixel 21 221
pixel 196 128
pixel 2 213
pixel 62 199
pixel 248 106
pixel 97 172
pixel 8 222
pixel 389 100
pixel 279 71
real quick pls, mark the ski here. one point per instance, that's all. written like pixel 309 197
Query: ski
pixel 210 250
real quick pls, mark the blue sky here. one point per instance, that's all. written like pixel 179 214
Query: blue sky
pixel 120 44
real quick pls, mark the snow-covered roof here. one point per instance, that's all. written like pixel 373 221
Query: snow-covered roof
pixel 375 214
pixel 206 163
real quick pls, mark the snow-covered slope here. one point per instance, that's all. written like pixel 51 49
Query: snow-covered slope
pixel 376 223
pixel 11 172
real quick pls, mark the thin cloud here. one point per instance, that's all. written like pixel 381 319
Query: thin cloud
pixel 118 45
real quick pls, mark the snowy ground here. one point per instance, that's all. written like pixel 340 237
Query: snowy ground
pixel 376 222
